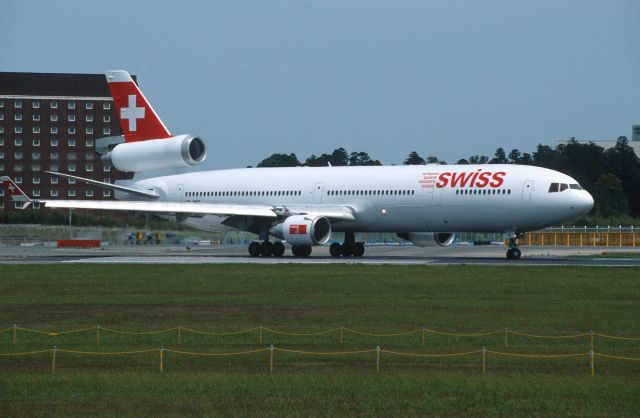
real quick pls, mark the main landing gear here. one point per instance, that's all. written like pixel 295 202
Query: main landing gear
pixel 349 248
pixel 266 249
pixel 513 253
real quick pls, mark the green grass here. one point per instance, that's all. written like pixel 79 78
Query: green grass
pixel 537 300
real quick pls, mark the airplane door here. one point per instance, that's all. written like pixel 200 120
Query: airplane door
pixel 526 191
pixel 318 191
pixel 178 195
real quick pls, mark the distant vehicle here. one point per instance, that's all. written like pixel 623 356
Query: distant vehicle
pixel 426 205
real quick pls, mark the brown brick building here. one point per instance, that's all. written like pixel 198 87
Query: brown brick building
pixel 51 122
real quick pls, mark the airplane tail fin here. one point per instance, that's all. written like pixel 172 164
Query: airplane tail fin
pixel 138 120
pixel 17 195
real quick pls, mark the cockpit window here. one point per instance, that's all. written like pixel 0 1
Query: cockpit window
pixel 575 186
pixel 563 187
pixel 554 187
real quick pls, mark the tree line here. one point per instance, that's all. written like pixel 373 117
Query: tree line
pixel 612 176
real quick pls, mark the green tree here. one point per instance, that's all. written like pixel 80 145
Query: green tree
pixel 514 156
pixel 462 161
pixel 362 158
pixel 478 159
pixel 280 160
pixel 499 157
pixel 414 159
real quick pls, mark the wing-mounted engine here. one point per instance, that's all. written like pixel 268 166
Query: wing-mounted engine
pixel 429 239
pixel 303 230
pixel 176 152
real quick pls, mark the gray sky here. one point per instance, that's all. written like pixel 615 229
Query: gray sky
pixel 444 78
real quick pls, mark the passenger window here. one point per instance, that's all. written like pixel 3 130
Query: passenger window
pixel 553 188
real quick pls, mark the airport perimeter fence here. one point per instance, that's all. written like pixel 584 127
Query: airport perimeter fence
pixel 583 237
pixel 377 352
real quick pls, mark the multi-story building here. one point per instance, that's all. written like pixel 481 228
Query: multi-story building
pixel 610 143
pixel 50 122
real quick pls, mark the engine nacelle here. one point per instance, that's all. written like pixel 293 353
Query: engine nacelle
pixel 303 230
pixel 429 239
pixel 176 152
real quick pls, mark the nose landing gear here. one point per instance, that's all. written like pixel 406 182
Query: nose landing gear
pixel 513 253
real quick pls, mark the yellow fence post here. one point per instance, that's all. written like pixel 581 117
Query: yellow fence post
pixel 593 370
pixel 378 359
pixel 98 334
pixel 484 359
pixel 53 359
pixel 179 336
pixel 271 349
pixel 506 336
pixel 161 359
pixel 15 329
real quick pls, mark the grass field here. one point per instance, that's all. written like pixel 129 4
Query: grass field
pixel 305 299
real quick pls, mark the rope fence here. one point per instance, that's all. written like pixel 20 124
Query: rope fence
pixel 341 331
pixel 272 350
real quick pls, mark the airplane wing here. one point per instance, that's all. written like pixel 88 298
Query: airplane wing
pixel 104 185
pixel 265 211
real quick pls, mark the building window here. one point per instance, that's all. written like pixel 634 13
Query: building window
pixel 71 143
pixel 17 116
pixel 88 193
pixel 54 167
pixel 54 130
pixel 72 156
pixel 71 181
pixel 106 105
pixel 18 179
pixel 106 180
pixel 18 104
pixel 53 104
pixel 71 105
pixel 89 131
pixel 35 104
pixel 106 193
pixel 1 129
pixel 36 142
pixel 106 167
pixel 54 180
pixel 54 142
pixel 18 168
pixel 36 180
pixel 54 192
pixel 1 103
pixel 89 156
pixel 18 129
pixel 71 131
pixel 89 167
pixel 53 118
pixel 71 168
pixel 36 117
pixel 71 193
pixel 1 142
pixel 1 155
pixel 17 142
pixel 1 116
pixel 36 192
pixel 106 131
pixel 18 155
pixel 71 118
pixel 88 105
pixel 35 130
pixel 106 118
pixel 35 155
pixel 2 192
pixel 89 143
pixel 88 118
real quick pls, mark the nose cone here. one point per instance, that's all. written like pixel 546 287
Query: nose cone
pixel 584 203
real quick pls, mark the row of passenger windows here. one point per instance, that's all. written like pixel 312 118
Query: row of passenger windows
pixel 54 130
pixel 370 192
pixel 245 193
pixel 561 187
pixel 482 191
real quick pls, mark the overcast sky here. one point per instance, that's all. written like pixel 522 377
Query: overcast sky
pixel 444 78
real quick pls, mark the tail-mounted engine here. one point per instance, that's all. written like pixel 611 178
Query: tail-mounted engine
pixel 303 230
pixel 429 239
pixel 176 152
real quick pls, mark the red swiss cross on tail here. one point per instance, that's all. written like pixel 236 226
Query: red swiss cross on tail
pixel 14 191
pixel 138 120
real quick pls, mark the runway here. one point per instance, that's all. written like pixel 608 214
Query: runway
pixel 374 255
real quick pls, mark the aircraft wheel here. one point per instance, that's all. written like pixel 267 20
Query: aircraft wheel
pixel 254 249
pixel 306 250
pixel 358 249
pixel 301 250
pixel 347 250
pixel 335 249
pixel 278 249
pixel 266 249
pixel 513 254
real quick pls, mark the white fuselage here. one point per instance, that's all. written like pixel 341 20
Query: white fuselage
pixel 389 198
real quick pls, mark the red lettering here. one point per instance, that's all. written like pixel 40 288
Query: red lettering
pixel 461 178
pixel 443 180
pixel 498 179
pixel 483 180
pixel 475 175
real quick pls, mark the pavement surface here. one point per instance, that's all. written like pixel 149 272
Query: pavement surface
pixel 380 254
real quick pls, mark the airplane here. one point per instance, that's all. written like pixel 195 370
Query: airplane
pixel 303 206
